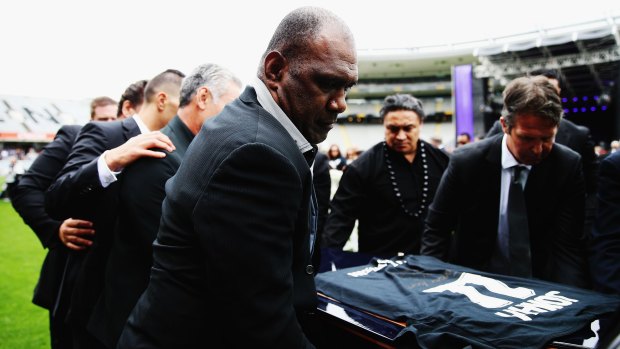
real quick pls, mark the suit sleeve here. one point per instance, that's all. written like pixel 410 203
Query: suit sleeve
pixel 605 247
pixel 246 222
pixel 29 195
pixel 345 208
pixel 569 248
pixel 77 185
pixel 441 218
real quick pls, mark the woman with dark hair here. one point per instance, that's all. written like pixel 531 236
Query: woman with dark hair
pixel 336 160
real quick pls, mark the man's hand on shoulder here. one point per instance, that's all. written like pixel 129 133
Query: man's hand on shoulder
pixel 137 147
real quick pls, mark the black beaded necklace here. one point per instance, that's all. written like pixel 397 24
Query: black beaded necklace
pixel 388 163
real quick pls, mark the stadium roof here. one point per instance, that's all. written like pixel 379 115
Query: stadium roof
pixel 588 55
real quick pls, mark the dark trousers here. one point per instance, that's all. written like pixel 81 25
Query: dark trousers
pixel 60 335
pixel 82 339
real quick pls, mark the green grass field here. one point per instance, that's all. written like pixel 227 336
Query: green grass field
pixel 23 325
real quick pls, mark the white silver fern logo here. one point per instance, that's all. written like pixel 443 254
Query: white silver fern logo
pixel 551 301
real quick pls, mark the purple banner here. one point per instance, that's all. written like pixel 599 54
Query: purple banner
pixel 463 99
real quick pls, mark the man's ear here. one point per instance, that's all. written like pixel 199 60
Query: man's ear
pixel 504 124
pixel 203 97
pixel 161 99
pixel 275 66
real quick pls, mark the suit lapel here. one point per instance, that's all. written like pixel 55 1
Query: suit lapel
pixel 494 161
pixel 491 174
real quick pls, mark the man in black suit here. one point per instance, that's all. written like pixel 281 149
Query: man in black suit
pixel 86 187
pixel 605 247
pixel 232 260
pixel 204 93
pixel 577 138
pixel 28 200
pixel 475 193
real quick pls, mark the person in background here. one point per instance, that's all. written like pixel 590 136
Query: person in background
pixel 389 187
pixel 436 142
pixel 103 109
pixel 55 235
pixel 352 153
pixel 336 160
pixel 513 204
pixel 131 100
pixel 462 139
pixel 239 220
pixel 600 151
pixel 16 171
pixel 614 146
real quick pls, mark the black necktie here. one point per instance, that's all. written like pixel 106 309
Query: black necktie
pixel 518 231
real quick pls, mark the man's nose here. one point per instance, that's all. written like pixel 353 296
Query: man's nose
pixel 401 134
pixel 338 103
pixel 537 148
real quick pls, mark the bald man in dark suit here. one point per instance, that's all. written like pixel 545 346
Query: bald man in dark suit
pixel 232 262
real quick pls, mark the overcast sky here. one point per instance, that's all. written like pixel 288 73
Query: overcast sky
pixel 81 49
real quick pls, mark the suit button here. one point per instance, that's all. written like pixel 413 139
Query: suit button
pixel 309 269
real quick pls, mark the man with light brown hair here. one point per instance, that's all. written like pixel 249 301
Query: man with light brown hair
pixel 513 203
pixel 103 109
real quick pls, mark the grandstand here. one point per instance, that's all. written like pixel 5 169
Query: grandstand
pixel 36 120
pixel 459 84
pixel 587 55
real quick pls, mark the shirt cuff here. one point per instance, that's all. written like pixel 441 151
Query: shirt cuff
pixel 106 176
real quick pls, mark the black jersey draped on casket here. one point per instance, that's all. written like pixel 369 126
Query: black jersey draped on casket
pixel 446 305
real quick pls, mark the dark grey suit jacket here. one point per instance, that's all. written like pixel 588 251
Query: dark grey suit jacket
pixel 467 202
pixel 77 193
pixel 28 200
pixel 231 262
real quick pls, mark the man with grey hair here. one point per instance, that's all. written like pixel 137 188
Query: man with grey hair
pixel 513 204
pixel 204 93
pixel 232 261
pixel 389 187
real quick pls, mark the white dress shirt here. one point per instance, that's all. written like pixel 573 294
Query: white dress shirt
pixel 508 162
